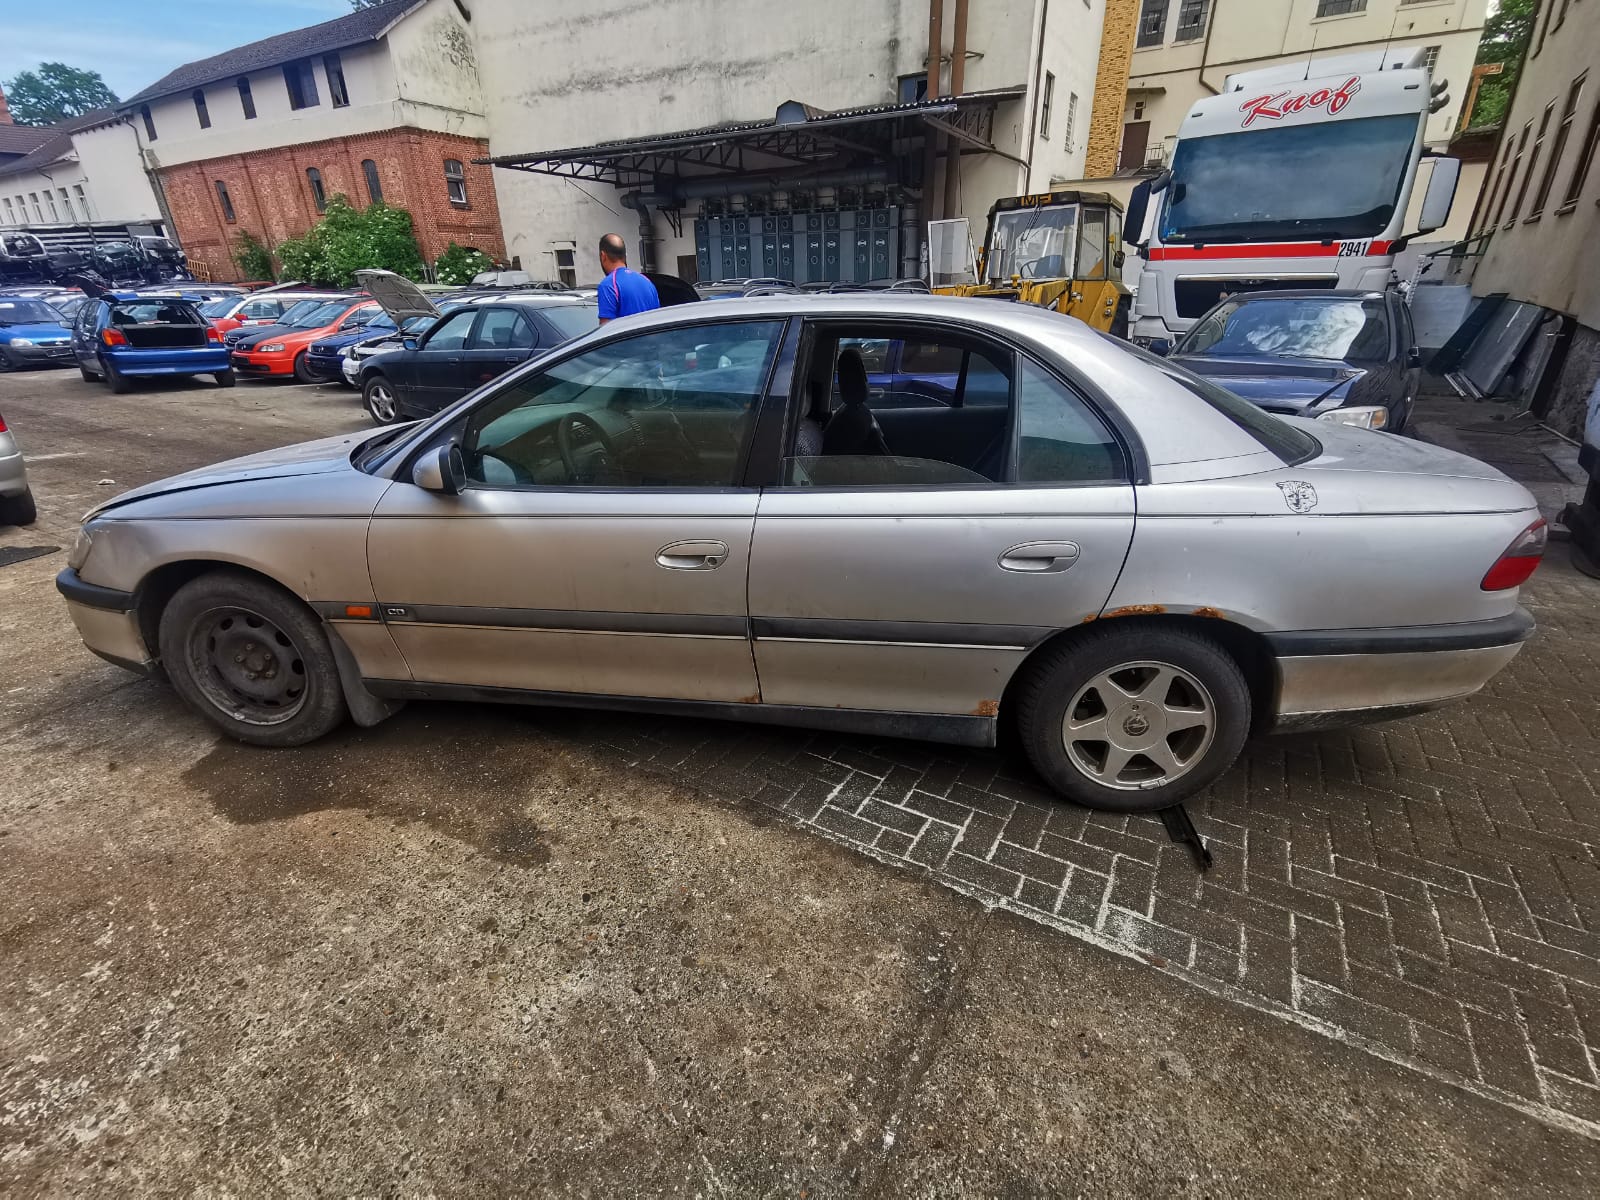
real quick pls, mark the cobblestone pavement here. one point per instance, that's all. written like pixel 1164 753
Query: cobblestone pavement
pixel 1427 888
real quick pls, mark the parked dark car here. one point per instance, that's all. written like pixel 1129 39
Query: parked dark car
pixel 466 348
pixel 325 356
pixel 1345 356
pixel 121 336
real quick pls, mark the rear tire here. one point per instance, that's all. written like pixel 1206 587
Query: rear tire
pixel 303 371
pixel 116 380
pixel 18 510
pixel 225 378
pixel 1135 719
pixel 88 375
pixel 252 659
pixel 377 394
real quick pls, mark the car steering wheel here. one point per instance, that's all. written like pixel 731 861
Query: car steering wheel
pixel 596 455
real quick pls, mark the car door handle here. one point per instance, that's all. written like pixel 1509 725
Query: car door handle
pixel 692 556
pixel 1040 558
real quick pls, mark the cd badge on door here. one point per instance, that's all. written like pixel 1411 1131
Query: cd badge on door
pixel 1299 495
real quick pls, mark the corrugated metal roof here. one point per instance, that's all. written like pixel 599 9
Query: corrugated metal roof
pixel 364 25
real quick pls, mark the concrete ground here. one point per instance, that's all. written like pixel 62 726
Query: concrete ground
pixel 483 950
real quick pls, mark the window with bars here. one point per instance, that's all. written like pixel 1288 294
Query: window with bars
pixel 1558 146
pixel 1152 23
pixel 1533 161
pixel 1191 20
pixel 1580 170
pixel 1339 8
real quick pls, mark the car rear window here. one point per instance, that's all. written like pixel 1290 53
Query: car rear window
pixel 154 312
pixel 1292 445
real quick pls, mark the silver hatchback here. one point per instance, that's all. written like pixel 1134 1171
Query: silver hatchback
pixel 904 515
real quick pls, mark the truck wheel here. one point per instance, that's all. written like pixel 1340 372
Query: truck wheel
pixel 251 659
pixel 225 378
pixel 1135 719
pixel 18 510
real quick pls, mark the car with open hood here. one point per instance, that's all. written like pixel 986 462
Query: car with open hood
pixel 1346 356
pixel 697 510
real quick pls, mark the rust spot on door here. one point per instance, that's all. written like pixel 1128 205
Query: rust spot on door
pixel 1207 611
pixel 987 708
pixel 755 699
pixel 1136 610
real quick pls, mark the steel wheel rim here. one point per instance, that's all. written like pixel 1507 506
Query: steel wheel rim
pixel 382 402
pixel 1139 725
pixel 246 666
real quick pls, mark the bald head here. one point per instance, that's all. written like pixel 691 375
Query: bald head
pixel 613 252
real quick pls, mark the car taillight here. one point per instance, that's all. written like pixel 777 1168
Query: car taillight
pixel 1520 560
pixel 213 334
pixel 2 424
pixel 113 337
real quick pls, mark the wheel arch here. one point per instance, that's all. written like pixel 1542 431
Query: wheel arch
pixel 1245 646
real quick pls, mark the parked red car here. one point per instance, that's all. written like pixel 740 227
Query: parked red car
pixel 262 308
pixel 281 350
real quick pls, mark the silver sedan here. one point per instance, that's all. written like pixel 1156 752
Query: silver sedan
pixel 899 515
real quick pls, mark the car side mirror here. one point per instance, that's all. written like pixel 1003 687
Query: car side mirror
pixel 409 343
pixel 1414 357
pixel 444 471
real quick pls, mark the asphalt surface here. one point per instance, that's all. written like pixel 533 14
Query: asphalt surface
pixel 473 951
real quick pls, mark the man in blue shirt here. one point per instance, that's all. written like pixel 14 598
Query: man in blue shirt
pixel 622 292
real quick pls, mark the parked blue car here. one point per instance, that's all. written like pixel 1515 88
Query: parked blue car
pixel 122 336
pixel 1345 356
pixel 32 335
pixel 325 357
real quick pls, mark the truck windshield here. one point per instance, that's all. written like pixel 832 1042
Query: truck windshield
pixel 1035 243
pixel 1331 181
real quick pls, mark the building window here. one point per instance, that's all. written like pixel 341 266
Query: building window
pixel 1430 58
pixel 314 178
pixel 1580 171
pixel 1045 102
pixel 1072 118
pixel 149 125
pixel 66 204
pixel 1152 23
pixel 567 265
pixel 226 201
pixel 1138 110
pixel 1560 14
pixel 1558 146
pixel 1533 160
pixel 302 85
pixel 374 188
pixel 1191 20
pixel 247 100
pixel 1338 8
pixel 455 182
pixel 50 202
pixel 334 69
pixel 913 88
pixel 83 201
pixel 1541 19
pixel 1511 174
pixel 199 97
pixel 11 217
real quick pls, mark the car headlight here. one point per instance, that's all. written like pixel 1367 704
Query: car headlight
pixel 21 342
pixel 349 352
pixel 81 547
pixel 270 348
pixel 1373 417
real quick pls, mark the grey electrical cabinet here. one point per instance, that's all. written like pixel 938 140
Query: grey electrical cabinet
pixel 827 246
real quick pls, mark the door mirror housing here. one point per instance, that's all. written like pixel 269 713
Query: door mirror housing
pixel 1441 192
pixel 443 471
pixel 1133 215
pixel 1414 357
pixel 410 343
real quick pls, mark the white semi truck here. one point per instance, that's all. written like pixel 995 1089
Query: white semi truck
pixel 1292 177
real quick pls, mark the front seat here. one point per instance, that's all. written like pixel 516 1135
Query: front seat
pixel 853 429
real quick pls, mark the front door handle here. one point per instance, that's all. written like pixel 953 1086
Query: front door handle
pixel 692 556
pixel 1040 558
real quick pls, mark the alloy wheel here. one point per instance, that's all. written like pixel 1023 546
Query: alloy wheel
pixel 381 400
pixel 1139 725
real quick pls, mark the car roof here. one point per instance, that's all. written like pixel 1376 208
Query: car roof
pixel 1179 430
pixel 1308 294
pixel 535 300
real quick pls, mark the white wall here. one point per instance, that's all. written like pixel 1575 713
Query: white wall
pixel 435 65
pixel 47 207
pixel 118 186
pixel 1072 53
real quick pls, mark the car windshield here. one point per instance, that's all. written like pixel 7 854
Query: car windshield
pixel 325 313
pixel 1334 180
pixel 1290 444
pixel 1035 243
pixel 418 323
pixel 1292 328
pixel 28 312
pixel 218 308
pixel 379 323
pixel 573 320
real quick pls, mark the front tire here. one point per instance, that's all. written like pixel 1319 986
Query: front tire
pixel 378 395
pixel 5 363
pixel 18 510
pixel 251 659
pixel 302 370
pixel 225 378
pixel 1135 719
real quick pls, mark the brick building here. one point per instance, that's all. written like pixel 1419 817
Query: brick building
pixel 382 104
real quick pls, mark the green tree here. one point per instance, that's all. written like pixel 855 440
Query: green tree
pixel 1506 34
pixel 251 256
pixel 348 240
pixel 55 92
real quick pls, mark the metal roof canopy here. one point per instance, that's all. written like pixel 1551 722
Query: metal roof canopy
pixel 798 138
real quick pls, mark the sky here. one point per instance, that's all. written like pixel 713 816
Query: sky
pixel 133 43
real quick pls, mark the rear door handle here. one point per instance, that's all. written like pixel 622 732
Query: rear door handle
pixel 1040 558
pixel 692 556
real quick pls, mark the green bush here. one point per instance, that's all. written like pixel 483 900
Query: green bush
pixel 346 241
pixel 459 265
pixel 251 256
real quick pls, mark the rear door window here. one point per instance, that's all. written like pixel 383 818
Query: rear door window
pixel 503 329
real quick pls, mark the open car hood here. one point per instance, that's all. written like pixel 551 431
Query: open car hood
pixel 397 295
